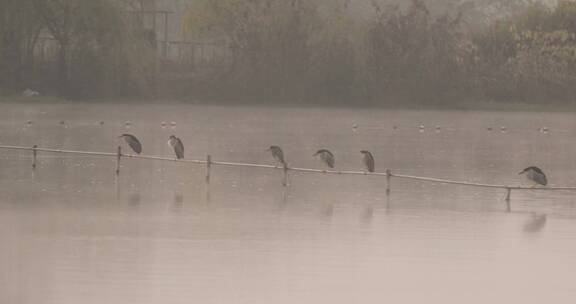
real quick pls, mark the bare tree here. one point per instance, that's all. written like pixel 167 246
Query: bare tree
pixel 19 30
pixel 58 17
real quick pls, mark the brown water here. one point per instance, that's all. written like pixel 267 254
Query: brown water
pixel 69 233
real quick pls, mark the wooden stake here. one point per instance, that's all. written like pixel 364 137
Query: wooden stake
pixel 34 153
pixel 118 157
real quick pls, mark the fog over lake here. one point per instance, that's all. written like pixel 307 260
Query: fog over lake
pixel 71 233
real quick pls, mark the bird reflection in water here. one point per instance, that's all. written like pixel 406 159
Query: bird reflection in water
pixel 535 223
pixel 367 213
pixel 134 199
pixel 178 201
pixel 327 211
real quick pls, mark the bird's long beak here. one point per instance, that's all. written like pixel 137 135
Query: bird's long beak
pixel 521 172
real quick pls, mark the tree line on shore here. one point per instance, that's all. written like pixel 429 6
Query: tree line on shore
pixel 299 51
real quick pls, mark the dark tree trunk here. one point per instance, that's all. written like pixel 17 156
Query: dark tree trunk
pixel 62 69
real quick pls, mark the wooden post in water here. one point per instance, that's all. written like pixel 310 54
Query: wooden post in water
pixel 34 155
pixel 508 205
pixel 118 157
pixel 208 165
pixel 388 179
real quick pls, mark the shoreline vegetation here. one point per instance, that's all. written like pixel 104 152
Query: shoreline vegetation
pixel 300 52
pixel 478 105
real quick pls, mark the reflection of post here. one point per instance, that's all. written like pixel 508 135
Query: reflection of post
pixel 284 196
pixel 118 157
pixel 34 153
pixel 117 187
pixel 285 178
pixel 508 205
pixel 388 177
pixel 208 165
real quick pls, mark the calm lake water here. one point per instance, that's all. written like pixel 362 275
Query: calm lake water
pixel 71 233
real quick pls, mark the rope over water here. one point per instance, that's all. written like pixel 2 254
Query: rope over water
pixel 388 174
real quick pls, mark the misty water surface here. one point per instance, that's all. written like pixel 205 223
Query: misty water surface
pixel 70 233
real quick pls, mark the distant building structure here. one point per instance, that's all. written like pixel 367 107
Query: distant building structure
pixel 161 21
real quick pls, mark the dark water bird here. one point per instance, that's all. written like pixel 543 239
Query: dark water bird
pixel 133 142
pixel 177 145
pixel 368 160
pixel 277 154
pixel 534 174
pixel 326 156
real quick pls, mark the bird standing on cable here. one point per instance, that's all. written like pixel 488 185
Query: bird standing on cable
pixel 368 160
pixel 326 156
pixel 535 175
pixel 133 142
pixel 177 145
pixel 277 154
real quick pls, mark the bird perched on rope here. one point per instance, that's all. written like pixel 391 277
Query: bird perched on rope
pixel 368 160
pixel 133 142
pixel 177 145
pixel 326 156
pixel 278 155
pixel 535 175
